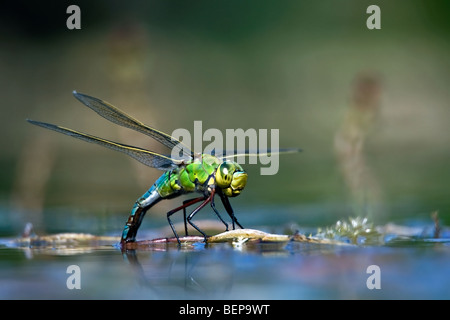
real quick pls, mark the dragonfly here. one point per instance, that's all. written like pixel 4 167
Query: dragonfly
pixel 207 175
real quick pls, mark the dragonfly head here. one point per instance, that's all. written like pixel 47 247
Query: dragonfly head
pixel 231 178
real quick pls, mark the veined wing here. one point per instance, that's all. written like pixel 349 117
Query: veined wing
pixel 149 158
pixel 251 153
pixel 113 114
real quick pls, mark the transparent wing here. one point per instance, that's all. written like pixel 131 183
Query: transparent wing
pixel 113 114
pixel 254 153
pixel 149 158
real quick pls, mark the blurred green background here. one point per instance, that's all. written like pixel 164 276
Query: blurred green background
pixel 370 108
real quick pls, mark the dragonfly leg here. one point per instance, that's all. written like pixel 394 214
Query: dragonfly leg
pixel 193 213
pixel 186 204
pixel 213 206
pixel 227 205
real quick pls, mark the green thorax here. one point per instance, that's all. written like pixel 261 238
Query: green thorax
pixel 193 176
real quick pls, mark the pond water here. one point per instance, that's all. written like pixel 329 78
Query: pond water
pixel 413 266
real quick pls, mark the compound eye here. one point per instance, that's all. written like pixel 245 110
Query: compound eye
pixel 225 175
